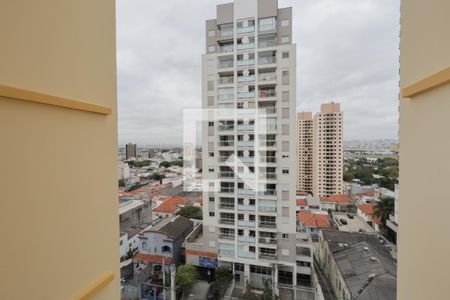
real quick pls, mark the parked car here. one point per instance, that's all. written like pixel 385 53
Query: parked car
pixel 343 221
pixel 350 216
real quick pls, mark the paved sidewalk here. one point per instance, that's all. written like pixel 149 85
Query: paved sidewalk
pixel 199 291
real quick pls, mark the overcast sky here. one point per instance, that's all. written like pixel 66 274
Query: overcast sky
pixel 347 52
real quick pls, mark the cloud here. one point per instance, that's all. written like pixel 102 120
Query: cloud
pixel 347 51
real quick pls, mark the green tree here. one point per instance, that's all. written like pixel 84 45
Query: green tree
pixel 383 208
pixel 191 212
pixel 268 292
pixel 131 252
pixel 223 277
pixel 164 164
pixel 186 277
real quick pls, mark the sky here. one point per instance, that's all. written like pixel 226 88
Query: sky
pixel 347 52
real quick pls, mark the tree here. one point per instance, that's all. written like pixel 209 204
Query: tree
pixel 383 208
pixel 223 277
pixel 131 252
pixel 186 277
pixel 191 212
pixel 268 292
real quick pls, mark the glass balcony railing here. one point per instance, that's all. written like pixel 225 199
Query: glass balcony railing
pixel 225 97
pixel 271 256
pixel 250 159
pixel 268 143
pixel 267 77
pixel 244 95
pixel 267 27
pixel 227 190
pixel 267 208
pixel 226 144
pixel 267 94
pixel 245 46
pixel 226 252
pixel 269 110
pixel 225 48
pixel 225 32
pixel 246 223
pixel 268 193
pixel 267 224
pixel 246 192
pixel 225 80
pixel 268 176
pixel 267 240
pixel 246 239
pixel 246 127
pixel 246 143
pixel 226 174
pixel 226 236
pixel 267 43
pixel 267 60
pixel 246 207
pixel 245 29
pixel 226 205
pixel 222 128
pixel 250 78
pixel 223 158
pixel 245 62
pixel 226 221
pixel 246 254
pixel 225 64
pixel 268 159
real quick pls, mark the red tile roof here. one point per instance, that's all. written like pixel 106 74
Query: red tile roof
pixel 302 193
pixel 368 210
pixel 302 202
pixel 154 259
pixel 309 219
pixel 337 198
pixel 170 205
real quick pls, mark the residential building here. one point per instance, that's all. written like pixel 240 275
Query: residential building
pixel 58 98
pixel 313 222
pixel 134 216
pixel 151 153
pixel 305 152
pixel 335 202
pixel 328 156
pixel 250 67
pixel 196 254
pixel 169 207
pixel 124 171
pixel 358 265
pixel 130 151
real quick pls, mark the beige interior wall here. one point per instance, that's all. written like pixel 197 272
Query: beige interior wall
pixel 58 180
pixel 424 238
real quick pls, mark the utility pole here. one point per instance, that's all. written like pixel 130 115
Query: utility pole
pixel 172 282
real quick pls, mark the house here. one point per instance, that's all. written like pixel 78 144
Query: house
pixel 301 204
pixel 365 211
pixel 169 207
pixel 363 197
pixel 134 216
pixel 336 202
pixel 358 265
pixel 312 222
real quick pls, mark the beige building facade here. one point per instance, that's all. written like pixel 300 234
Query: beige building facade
pixel 305 151
pixel 423 262
pixel 328 154
pixel 58 97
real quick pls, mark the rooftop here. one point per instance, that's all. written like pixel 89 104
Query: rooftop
pixel 154 259
pixel 170 205
pixel 356 224
pixel 337 198
pixel 368 210
pixel 129 205
pixel 309 219
pixel 172 227
pixel 301 202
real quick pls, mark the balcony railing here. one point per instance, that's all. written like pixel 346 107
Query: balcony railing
pixel 270 110
pixel 267 94
pixel 226 252
pixel 267 77
pixel 267 240
pixel 267 208
pixel 249 78
pixel 225 48
pixel 246 239
pixel 268 175
pixel 226 236
pixel 246 207
pixel 222 97
pixel 226 174
pixel 250 159
pixel 267 43
pixel 225 64
pixel 246 254
pixel 227 190
pixel 246 223
pixel 245 143
pixel 245 29
pixel 226 127
pixel 268 143
pixel 226 205
pixel 245 46
pixel 245 62
pixel 225 80
pixel 246 127
pixel 245 192
pixel 267 224
pixel 243 95
pixel 226 143
pixel 267 256
pixel 267 60
pixel 268 193
pixel 225 33
pixel 268 159
pixel 227 221
pixel 267 27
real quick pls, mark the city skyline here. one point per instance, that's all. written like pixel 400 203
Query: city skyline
pixel 353 62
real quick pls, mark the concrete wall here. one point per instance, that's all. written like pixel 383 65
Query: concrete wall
pixel 423 262
pixel 68 215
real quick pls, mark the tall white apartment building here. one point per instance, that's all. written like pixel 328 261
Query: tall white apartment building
pixel 328 155
pixel 249 211
pixel 305 152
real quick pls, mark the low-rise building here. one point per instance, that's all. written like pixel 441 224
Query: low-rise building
pixel 366 211
pixel 312 222
pixel 169 207
pixel 358 265
pixel 336 202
